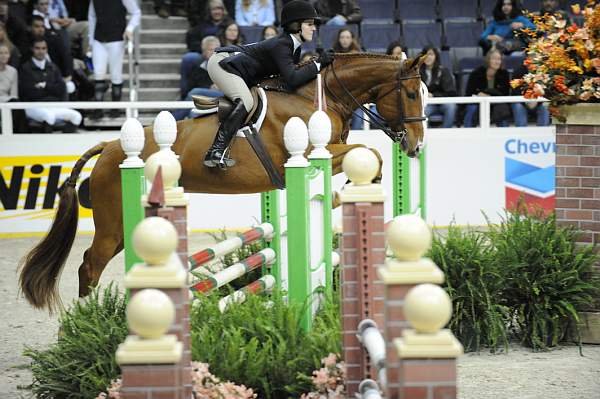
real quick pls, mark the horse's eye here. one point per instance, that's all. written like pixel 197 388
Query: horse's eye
pixel 412 95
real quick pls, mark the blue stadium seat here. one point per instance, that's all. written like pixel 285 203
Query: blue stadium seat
pixel 252 33
pixel 512 62
pixel 446 60
pixel 487 8
pixel 465 67
pixel 328 34
pixel 376 37
pixel 418 9
pixel 459 9
pixel 462 33
pixel 417 34
pixel 531 5
pixel 380 10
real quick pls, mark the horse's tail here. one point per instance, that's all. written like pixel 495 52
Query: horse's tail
pixel 40 268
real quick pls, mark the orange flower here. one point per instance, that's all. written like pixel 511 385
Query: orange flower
pixel 516 83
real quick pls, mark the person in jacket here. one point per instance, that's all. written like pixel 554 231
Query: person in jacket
pixel 489 79
pixel 41 80
pixel 236 68
pixel 254 12
pixel 346 42
pixel 213 25
pixel 508 21
pixel 231 35
pixel 9 89
pixel 108 30
pixel 339 12
pixel 440 83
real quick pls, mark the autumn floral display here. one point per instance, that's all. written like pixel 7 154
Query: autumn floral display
pixel 563 60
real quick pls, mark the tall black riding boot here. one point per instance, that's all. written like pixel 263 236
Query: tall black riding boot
pixel 216 155
pixel 100 87
pixel 116 92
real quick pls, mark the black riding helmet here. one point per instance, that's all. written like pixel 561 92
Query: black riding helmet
pixel 297 11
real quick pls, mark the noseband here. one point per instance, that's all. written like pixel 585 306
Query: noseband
pixel 375 119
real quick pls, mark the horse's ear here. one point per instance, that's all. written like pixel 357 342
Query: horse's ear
pixel 417 62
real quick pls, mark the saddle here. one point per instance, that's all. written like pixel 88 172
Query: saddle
pixel 223 106
pixel 250 128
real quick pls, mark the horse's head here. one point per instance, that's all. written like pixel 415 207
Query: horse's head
pixel 401 102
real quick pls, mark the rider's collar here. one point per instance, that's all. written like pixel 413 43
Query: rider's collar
pixel 297 43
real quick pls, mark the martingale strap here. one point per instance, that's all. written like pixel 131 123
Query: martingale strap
pixel 257 145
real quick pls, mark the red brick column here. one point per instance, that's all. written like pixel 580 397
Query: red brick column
pixel 363 250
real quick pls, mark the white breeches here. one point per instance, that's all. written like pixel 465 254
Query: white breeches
pixel 52 115
pixel 108 56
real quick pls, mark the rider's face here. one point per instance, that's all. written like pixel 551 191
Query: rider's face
pixel 307 29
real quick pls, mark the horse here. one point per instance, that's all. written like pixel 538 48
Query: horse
pixel 352 80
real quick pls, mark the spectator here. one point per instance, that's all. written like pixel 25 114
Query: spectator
pixel 269 32
pixel 231 35
pixel 553 8
pixel 198 10
pixel 440 83
pixel 396 49
pixel 254 12
pixel 216 21
pixel 15 54
pixel 191 60
pixel 41 8
pixel 9 89
pixel 108 28
pixel 521 111
pixel 199 80
pixel 346 42
pixel 489 80
pixel 166 8
pixel 16 28
pixel 77 30
pixel 508 21
pixel 40 80
pixel 339 12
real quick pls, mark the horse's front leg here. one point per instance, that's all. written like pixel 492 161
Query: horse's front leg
pixel 339 151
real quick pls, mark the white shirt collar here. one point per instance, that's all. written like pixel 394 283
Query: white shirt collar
pixel 297 43
pixel 40 64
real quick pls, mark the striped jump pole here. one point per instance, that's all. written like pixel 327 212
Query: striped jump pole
pixel 263 257
pixel 263 231
pixel 263 285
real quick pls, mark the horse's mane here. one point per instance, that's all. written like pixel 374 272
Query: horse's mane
pixel 278 81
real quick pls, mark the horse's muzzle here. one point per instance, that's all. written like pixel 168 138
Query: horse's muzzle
pixel 411 152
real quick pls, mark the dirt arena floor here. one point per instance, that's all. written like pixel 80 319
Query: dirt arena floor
pixel 520 374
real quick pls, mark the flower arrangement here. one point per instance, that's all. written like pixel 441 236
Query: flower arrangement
pixel 328 380
pixel 563 60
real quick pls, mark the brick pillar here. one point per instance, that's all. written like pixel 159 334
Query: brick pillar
pixel 363 250
pixel 400 274
pixel 175 212
pixel 578 171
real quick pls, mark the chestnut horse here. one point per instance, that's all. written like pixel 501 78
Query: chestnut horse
pixel 353 79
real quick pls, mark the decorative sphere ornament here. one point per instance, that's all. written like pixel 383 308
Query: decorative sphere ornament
pixel 165 130
pixel 171 168
pixel 409 237
pixel 428 308
pixel 154 240
pixel 361 166
pixel 150 313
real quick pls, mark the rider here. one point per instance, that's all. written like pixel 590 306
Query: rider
pixel 236 68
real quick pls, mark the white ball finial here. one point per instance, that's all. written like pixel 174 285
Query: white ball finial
pixel 165 130
pixel 132 142
pixel 171 168
pixel 319 131
pixel 361 166
pixel 409 237
pixel 428 308
pixel 150 313
pixel 295 137
pixel 154 240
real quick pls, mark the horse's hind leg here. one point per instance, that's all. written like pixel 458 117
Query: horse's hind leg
pixel 104 247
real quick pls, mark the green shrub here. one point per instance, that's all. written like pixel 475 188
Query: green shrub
pixel 261 343
pixel 545 275
pixel 474 283
pixel 82 362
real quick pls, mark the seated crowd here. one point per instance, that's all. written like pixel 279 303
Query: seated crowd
pixel 82 43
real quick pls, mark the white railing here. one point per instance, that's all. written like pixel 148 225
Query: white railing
pixel 132 107
pixel 484 105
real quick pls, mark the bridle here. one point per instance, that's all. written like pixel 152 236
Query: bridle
pixel 375 119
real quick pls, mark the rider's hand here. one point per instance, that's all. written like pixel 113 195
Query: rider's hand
pixel 326 58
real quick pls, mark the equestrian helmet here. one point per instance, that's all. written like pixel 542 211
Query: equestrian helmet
pixel 298 10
